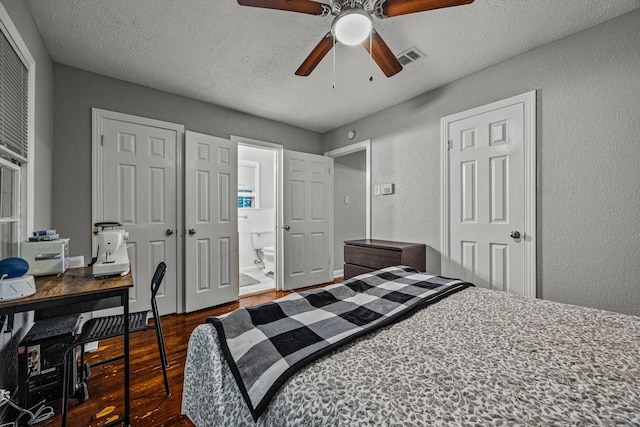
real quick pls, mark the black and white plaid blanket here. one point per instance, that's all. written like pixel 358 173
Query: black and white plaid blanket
pixel 266 344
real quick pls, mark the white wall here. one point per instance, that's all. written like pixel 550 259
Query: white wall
pixel 588 103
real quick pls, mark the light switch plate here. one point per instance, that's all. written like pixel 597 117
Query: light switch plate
pixel 376 190
pixel 386 189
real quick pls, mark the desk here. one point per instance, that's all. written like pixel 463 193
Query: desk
pixel 74 287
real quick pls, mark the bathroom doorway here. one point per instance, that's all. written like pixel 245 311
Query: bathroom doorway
pixel 257 217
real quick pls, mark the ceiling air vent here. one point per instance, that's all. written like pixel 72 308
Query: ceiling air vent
pixel 410 55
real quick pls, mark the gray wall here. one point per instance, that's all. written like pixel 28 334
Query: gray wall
pixel 349 219
pixel 76 91
pixel 43 148
pixel 588 95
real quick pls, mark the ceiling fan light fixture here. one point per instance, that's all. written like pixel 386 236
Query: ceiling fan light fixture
pixel 352 27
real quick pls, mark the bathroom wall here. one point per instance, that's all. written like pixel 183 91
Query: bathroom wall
pixel 262 218
pixel 257 220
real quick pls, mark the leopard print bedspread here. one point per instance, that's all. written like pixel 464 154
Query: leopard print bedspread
pixel 477 358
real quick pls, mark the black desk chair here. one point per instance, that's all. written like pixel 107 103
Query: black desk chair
pixel 108 327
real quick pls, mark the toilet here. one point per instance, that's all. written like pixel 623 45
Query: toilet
pixel 263 241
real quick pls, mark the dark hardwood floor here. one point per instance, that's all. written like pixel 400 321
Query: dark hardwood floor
pixel 149 405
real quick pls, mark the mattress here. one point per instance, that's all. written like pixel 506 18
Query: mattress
pixel 478 357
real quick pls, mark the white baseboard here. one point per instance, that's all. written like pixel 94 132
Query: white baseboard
pixel 338 273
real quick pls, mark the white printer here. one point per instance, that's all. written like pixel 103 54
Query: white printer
pixel 46 257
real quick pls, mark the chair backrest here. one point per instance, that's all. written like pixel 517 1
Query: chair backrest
pixel 157 279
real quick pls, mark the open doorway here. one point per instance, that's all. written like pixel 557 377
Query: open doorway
pixel 352 197
pixel 257 218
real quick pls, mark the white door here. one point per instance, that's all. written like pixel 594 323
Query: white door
pixel 491 230
pixel 211 221
pixel 137 183
pixel 308 219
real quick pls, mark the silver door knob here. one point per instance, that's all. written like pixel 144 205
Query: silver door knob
pixel 192 231
pixel 515 234
pixel 169 232
pixel 286 227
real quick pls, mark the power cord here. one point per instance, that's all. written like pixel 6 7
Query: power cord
pixel 34 416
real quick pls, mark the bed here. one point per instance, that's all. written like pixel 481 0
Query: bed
pixel 476 357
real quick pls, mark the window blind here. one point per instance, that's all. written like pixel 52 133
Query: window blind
pixel 14 98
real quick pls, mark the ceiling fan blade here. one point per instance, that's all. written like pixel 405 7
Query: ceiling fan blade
pixel 302 6
pixel 402 7
pixel 383 56
pixel 316 55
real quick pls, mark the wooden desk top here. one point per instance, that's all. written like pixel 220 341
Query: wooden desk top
pixel 74 283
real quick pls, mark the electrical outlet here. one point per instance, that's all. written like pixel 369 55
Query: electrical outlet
pixel 346 200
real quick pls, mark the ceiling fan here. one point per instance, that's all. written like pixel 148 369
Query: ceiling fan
pixel 353 25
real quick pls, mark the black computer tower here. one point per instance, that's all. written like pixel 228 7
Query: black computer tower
pixel 41 360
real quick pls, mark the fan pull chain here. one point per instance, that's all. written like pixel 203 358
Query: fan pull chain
pixel 334 60
pixel 370 54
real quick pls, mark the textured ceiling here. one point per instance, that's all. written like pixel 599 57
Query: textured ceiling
pixel 244 58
